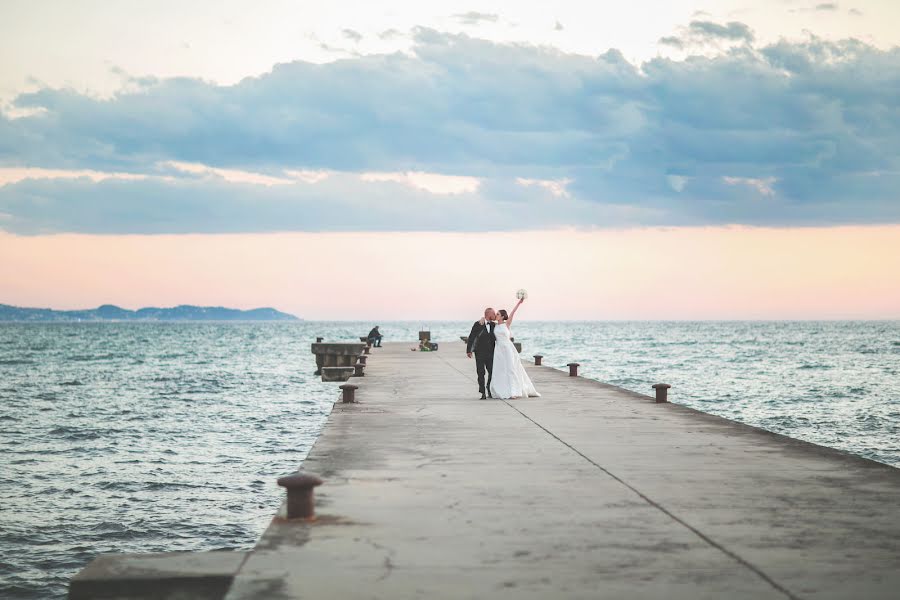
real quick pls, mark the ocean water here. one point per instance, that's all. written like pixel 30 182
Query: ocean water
pixel 152 437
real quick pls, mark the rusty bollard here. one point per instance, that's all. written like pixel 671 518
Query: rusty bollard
pixel 300 501
pixel 358 370
pixel 537 359
pixel 573 369
pixel 319 340
pixel 367 349
pixel 662 392
pixel 349 392
pixel 362 359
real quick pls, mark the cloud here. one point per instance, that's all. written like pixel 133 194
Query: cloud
pixel 825 7
pixel 352 34
pixel 340 202
pixel 231 175
pixel 555 187
pixel 701 34
pixel 430 182
pixel 15 174
pixel 476 18
pixel 782 134
pixel 671 40
pixel 732 30
pixel 761 185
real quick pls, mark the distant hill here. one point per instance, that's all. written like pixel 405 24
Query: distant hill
pixel 109 312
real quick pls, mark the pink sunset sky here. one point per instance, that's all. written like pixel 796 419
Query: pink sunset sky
pixel 688 159
pixel 677 273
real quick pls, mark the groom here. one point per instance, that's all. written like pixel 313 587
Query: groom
pixel 481 341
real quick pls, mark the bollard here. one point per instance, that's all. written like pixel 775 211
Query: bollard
pixel 358 370
pixel 573 369
pixel 319 340
pixel 366 349
pixel 537 359
pixel 662 392
pixel 362 359
pixel 349 392
pixel 300 501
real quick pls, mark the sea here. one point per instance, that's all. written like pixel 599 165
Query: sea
pixel 160 437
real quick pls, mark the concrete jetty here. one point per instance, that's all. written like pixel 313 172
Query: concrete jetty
pixel 587 492
pixel 590 491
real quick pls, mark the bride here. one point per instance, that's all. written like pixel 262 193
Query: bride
pixel 509 379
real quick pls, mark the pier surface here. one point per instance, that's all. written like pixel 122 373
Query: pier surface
pixel 587 492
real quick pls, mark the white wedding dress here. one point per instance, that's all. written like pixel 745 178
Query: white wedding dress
pixel 508 376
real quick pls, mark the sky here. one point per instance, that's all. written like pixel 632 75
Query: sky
pixel 651 160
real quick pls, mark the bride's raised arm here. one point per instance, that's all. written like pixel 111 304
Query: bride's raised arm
pixel 513 312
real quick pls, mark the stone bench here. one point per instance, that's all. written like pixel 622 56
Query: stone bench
pixel 337 373
pixel 336 354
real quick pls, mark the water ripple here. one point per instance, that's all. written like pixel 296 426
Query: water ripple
pixel 143 437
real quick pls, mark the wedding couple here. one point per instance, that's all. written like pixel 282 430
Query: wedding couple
pixel 490 341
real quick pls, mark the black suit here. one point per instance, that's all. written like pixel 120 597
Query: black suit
pixel 481 341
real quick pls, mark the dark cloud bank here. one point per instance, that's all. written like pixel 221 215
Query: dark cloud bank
pixel 786 134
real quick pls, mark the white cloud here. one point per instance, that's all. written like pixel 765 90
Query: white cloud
pixel 9 175
pixel 307 175
pixel 435 183
pixel 677 182
pixel 230 175
pixel 557 187
pixel 763 185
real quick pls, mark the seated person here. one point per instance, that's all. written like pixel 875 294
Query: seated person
pixel 374 337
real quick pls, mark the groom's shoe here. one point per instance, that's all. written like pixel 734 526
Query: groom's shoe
pixel 489 395
pixel 483 397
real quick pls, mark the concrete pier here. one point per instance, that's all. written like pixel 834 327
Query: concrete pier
pixel 587 492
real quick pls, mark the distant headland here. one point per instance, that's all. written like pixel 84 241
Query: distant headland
pixel 110 312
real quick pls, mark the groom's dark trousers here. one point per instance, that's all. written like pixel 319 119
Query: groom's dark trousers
pixel 483 363
pixel 481 342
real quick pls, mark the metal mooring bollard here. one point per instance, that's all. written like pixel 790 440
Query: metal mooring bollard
pixel 349 392
pixel 358 370
pixel 300 501
pixel 537 359
pixel 662 392
pixel 362 359
pixel 367 349
pixel 319 340
pixel 573 369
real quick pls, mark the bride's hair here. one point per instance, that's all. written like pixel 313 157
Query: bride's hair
pixel 503 314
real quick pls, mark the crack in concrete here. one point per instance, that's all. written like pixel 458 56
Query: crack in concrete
pixel 388 564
